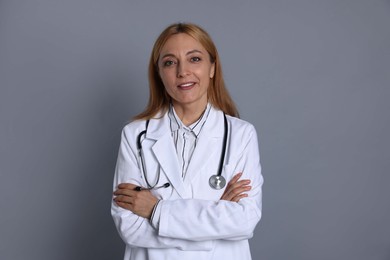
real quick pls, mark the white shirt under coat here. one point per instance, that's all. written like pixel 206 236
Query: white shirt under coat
pixel 193 222
pixel 185 137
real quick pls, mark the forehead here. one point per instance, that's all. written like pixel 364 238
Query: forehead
pixel 181 42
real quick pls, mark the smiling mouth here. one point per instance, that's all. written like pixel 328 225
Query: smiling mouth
pixel 186 86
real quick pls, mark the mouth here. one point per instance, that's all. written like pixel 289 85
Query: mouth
pixel 186 86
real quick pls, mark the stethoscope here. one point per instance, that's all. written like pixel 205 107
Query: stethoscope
pixel 216 181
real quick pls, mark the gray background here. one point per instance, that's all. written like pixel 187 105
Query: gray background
pixel 312 76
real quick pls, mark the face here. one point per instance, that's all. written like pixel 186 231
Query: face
pixel 185 69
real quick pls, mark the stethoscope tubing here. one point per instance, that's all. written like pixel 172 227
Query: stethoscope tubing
pixel 223 154
pixel 166 185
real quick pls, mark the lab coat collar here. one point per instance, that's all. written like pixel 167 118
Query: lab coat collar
pixel 159 126
pixel 165 153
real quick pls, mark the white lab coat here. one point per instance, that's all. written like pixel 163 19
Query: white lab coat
pixel 194 223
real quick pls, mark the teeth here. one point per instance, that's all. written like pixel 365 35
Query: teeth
pixel 187 84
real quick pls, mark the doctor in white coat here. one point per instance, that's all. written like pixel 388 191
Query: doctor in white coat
pixel 165 206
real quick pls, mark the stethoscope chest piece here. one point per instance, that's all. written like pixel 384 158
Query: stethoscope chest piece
pixel 217 182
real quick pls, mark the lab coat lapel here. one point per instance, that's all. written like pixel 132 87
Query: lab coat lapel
pixel 207 145
pixel 165 152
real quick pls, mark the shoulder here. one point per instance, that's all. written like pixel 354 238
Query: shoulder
pixel 240 126
pixel 139 125
pixel 134 126
pixel 237 126
pixel 131 131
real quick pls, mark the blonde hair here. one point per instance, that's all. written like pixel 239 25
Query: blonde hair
pixel 159 99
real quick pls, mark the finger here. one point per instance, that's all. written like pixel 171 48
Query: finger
pixel 236 191
pixel 241 182
pixel 128 186
pixel 233 181
pixel 131 196
pixel 125 192
pixel 124 205
pixel 239 197
pixel 240 190
pixel 235 178
pixel 124 199
pixel 238 184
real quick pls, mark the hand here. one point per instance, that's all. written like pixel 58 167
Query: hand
pixel 235 189
pixel 140 203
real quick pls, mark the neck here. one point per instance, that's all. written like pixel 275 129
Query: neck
pixel 189 114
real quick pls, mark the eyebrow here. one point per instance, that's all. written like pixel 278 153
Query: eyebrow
pixel 188 53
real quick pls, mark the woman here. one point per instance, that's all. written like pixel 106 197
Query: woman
pixel 165 204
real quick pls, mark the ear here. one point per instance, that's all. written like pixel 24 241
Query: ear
pixel 212 70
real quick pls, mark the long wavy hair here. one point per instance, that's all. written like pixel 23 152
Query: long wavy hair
pixel 159 99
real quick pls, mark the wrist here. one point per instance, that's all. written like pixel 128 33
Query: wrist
pixel 154 211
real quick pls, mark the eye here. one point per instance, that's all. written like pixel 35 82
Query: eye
pixel 196 59
pixel 168 63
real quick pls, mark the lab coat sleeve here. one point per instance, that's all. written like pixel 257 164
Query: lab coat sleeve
pixel 137 231
pixel 201 220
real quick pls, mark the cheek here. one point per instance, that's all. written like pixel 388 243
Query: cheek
pixel 168 84
pixel 205 73
pixel 166 78
pixel 206 77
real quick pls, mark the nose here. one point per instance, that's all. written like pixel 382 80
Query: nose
pixel 182 70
